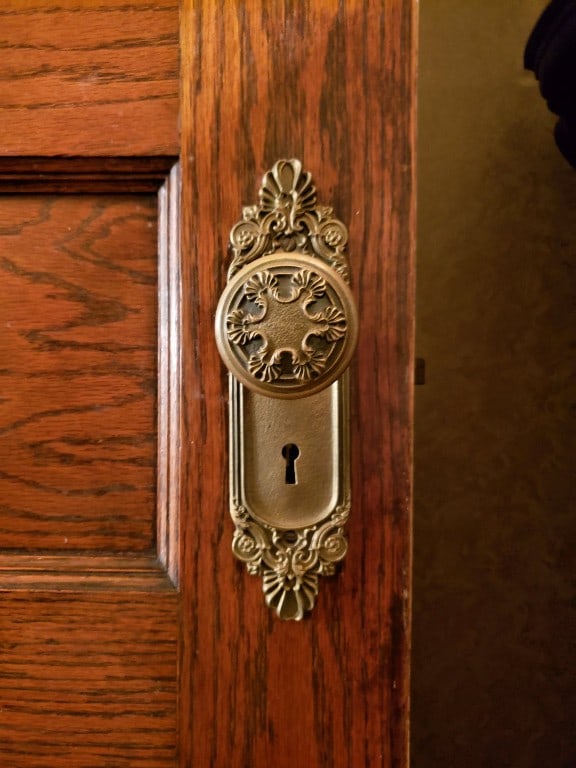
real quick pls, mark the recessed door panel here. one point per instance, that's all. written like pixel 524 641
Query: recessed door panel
pixel 78 410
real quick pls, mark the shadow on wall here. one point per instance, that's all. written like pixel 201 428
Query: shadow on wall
pixel 494 682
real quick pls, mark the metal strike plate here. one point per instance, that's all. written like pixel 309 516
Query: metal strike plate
pixel 286 328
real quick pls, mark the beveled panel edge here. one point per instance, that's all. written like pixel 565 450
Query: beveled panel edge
pixel 74 573
pixel 169 374
pixel 83 175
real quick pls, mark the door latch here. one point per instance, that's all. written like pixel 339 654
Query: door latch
pixel 286 328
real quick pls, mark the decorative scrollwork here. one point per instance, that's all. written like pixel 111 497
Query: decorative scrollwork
pixel 290 562
pixel 287 218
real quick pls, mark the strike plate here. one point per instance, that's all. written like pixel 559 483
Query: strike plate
pixel 286 328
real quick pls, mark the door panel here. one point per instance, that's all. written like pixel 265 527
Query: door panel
pixel 129 636
pixel 79 408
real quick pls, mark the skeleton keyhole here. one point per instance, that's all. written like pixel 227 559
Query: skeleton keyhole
pixel 290 452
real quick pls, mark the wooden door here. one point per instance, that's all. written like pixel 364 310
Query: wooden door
pixel 128 634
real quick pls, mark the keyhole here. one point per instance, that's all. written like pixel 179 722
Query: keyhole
pixel 290 453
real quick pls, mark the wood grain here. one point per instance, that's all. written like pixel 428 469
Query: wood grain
pixel 88 645
pixel 78 373
pixel 88 679
pixel 333 84
pixel 89 78
pixel 89 617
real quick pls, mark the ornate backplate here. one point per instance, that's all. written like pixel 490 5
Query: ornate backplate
pixel 286 328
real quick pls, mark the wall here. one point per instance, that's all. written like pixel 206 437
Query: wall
pixel 494 681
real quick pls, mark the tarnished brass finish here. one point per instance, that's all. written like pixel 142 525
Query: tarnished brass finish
pixel 286 328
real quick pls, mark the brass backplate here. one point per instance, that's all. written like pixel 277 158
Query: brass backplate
pixel 286 328
pixel 290 519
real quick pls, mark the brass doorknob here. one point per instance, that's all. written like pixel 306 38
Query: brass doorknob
pixel 286 325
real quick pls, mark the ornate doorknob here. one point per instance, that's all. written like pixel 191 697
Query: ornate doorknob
pixel 286 325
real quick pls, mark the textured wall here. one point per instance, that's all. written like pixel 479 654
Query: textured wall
pixel 494 662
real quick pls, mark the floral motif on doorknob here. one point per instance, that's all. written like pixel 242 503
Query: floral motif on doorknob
pixel 289 336
pixel 286 326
